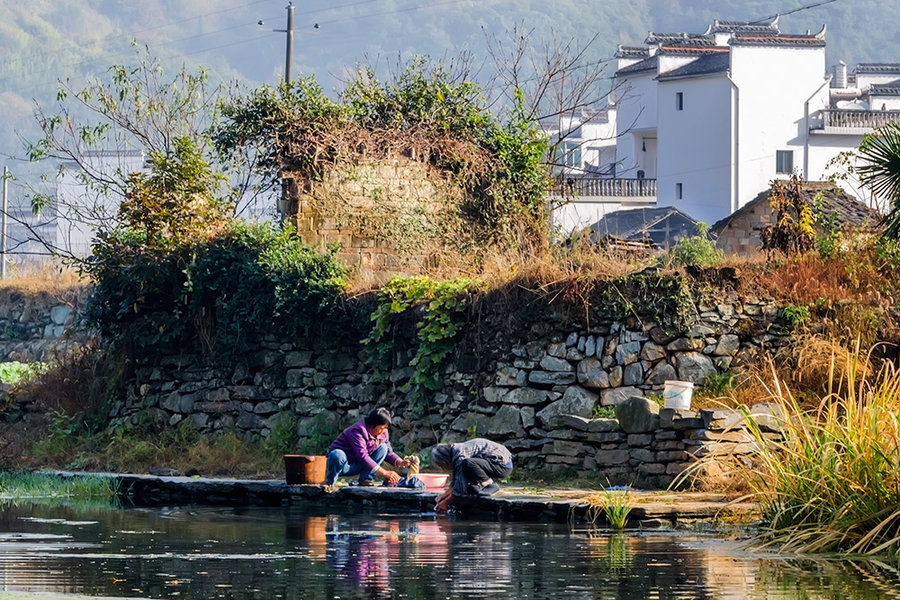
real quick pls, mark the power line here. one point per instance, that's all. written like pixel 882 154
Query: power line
pixel 796 10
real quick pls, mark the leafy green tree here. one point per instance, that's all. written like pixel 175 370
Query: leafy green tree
pixel 138 108
pixel 880 152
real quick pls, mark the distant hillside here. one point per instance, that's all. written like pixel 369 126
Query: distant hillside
pixel 42 41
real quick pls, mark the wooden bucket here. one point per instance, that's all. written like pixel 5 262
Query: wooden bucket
pixel 304 469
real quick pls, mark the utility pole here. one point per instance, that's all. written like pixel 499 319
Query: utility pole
pixel 3 223
pixel 289 50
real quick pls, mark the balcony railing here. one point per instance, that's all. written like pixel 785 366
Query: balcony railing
pixel 853 119
pixel 605 186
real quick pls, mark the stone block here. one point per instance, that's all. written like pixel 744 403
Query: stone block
pixel 651 468
pixel 591 373
pixel 642 455
pixel 722 419
pixel 575 401
pixel 638 415
pixel 529 396
pixel 569 422
pixel 640 440
pixel 611 457
pixel 603 425
pixel 551 378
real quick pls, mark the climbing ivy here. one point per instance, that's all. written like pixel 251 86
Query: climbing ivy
pixel 438 306
pixel 662 299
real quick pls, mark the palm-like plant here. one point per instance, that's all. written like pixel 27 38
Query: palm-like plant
pixel 880 171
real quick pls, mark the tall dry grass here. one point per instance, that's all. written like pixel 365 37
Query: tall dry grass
pixel 832 484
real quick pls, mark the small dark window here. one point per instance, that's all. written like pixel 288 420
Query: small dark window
pixel 784 161
pixel 679 100
pixel 678 189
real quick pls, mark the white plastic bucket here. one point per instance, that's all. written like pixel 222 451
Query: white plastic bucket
pixel 677 394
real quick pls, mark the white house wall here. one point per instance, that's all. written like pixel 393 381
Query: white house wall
pixel 695 147
pixel 772 89
pixel 636 118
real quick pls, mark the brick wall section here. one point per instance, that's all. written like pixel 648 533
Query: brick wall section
pixel 382 214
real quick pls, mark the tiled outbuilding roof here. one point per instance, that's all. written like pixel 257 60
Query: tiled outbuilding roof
pixel 848 212
pixel 664 226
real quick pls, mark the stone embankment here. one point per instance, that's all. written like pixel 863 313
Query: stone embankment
pixel 38 327
pixel 648 509
pixel 535 387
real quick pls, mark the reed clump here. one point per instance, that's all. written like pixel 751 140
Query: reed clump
pixel 613 504
pixel 831 484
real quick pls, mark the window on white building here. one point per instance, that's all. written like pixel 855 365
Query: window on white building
pixel 679 100
pixel 678 190
pixel 571 154
pixel 784 161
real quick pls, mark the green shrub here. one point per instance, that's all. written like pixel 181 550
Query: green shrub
pixel 698 250
pixel 440 304
pixel 14 372
pixel 604 412
pixel 795 316
pixel 220 290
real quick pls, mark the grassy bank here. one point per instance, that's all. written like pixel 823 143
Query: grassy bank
pixel 833 484
pixel 48 487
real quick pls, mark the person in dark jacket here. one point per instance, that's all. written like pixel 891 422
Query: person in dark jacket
pixel 361 449
pixel 474 467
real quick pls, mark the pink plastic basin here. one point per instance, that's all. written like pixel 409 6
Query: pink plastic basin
pixel 434 481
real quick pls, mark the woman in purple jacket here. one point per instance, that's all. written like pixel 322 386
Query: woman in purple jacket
pixel 361 449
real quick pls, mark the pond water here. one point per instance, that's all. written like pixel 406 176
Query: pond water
pixel 297 552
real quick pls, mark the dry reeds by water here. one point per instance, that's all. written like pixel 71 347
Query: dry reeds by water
pixel 832 483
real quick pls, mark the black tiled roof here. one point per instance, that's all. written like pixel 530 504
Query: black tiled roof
pixel 705 65
pixel 632 52
pixel 777 40
pixel 887 89
pixel 680 38
pixel 648 64
pixel 872 68
pixel 744 27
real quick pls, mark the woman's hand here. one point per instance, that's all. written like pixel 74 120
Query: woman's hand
pixel 442 502
pixel 392 476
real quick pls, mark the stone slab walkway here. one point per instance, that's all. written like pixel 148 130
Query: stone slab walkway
pixel 649 509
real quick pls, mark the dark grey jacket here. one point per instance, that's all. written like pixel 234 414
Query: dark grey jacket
pixel 476 448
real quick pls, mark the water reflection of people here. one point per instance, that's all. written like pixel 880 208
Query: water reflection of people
pixel 365 558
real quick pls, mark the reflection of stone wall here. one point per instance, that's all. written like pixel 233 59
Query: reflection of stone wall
pixel 37 327
pixel 533 385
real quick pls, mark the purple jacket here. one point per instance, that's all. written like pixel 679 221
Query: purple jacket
pixel 359 443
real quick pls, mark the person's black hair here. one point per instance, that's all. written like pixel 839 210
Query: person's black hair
pixel 379 416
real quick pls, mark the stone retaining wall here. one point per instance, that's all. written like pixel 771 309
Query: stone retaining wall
pixel 534 387
pixel 38 327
